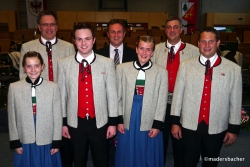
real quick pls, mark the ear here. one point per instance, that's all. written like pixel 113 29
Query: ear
pixel 39 27
pixel 93 40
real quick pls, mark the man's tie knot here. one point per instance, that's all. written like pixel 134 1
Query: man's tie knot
pixel 207 66
pixel 171 54
pixel 48 48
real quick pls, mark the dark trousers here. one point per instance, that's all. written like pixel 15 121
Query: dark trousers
pixel 87 135
pixel 176 144
pixel 112 149
pixel 200 142
pixel 67 152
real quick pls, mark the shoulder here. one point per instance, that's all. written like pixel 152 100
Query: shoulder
pixel 229 64
pixel 30 43
pixel 18 84
pixel 49 83
pixel 102 58
pixel 125 66
pixel 67 59
pixel 190 61
pixel 160 46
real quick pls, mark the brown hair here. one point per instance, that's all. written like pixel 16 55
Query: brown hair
pixel 80 26
pixel 32 54
pixel 116 21
pixel 44 13
pixel 171 18
pixel 146 38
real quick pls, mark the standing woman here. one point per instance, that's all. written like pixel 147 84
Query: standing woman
pixel 142 98
pixel 35 117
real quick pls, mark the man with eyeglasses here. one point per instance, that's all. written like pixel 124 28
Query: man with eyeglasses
pixel 169 55
pixel 207 102
pixel 51 48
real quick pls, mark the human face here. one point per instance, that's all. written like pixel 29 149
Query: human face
pixel 173 31
pixel 116 35
pixel 207 44
pixel 33 68
pixel 144 51
pixel 48 27
pixel 84 42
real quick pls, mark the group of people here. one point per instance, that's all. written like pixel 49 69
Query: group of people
pixel 72 101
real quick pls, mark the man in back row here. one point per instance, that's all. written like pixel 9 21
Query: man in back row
pixel 169 55
pixel 120 53
pixel 51 49
pixel 116 33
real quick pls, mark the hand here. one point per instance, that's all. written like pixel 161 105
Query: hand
pixel 120 128
pixel 153 132
pixel 229 138
pixel 19 150
pixel 176 131
pixel 53 151
pixel 65 132
pixel 111 131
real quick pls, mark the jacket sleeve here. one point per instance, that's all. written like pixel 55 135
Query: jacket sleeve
pixel 161 101
pixel 111 94
pixel 119 93
pixel 57 118
pixel 178 96
pixel 63 93
pixel 235 102
pixel 14 138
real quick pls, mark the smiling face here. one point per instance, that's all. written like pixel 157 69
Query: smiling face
pixel 84 42
pixel 173 31
pixel 48 27
pixel 207 44
pixel 145 51
pixel 33 68
pixel 116 34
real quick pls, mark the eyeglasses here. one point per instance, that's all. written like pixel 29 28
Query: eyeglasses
pixel 48 24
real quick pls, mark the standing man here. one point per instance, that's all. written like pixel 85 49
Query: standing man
pixel 169 55
pixel 121 54
pixel 207 101
pixel 87 84
pixel 116 34
pixel 51 49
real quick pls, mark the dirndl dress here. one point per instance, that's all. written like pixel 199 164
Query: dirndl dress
pixel 37 156
pixel 135 148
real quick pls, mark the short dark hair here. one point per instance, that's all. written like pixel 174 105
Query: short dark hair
pixel 32 54
pixel 116 21
pixel 83 26
pixel 212 30
pixel 146 38
pixel 44 13
pixel 171 18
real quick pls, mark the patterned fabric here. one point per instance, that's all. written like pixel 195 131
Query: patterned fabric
pixel 37 82
pixel 116 58
pixel 140 81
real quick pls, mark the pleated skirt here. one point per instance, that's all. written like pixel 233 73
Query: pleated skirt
pixel 135 148
pixel 37 156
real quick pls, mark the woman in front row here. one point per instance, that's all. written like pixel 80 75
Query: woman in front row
pixel 35 117
pixel 142 99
